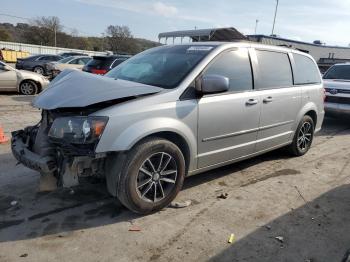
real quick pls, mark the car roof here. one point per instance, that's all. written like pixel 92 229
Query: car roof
pixel 246 44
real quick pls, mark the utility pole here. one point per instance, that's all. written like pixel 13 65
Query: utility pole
pixel 256 25
pixel 274 19
pixel 55 31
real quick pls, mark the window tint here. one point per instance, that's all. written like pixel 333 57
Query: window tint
pixel 275 70
pixel 43 58
pixel 338 72
pixel 118 61
pixel 306 72
pixel 234 65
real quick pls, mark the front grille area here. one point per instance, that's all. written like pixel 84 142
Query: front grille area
pixel 338 100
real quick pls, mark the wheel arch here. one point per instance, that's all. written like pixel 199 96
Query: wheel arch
pixel 38 84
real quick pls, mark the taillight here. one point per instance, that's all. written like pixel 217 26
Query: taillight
pixel 99 71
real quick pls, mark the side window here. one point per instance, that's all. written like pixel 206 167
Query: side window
pixel 55 58
pixel 85 60
pixel 306 71
pixel 42 58
pixel 117 62
pixel 274 70
pixel 235 65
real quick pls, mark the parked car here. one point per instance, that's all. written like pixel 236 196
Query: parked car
pixel 36 63
pixel 102 64
pixel 170 112
pixel 24 82
pixel 73 62
pixel 68 54
pixel 337 85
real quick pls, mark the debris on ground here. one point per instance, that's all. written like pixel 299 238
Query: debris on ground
pixel 180 204
pixel 24 255
pixel 223 196
pixel 280 239
pixel 134 228
pixel 268 227
pixel 14 202
pixel 231 238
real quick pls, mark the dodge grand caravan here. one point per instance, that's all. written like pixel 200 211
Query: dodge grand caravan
pixel 170 112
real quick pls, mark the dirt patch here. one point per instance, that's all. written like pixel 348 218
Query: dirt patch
pixel 282 172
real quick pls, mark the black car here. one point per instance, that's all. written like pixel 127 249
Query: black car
pixel 36 63
pixel 102 64
pixel 68 54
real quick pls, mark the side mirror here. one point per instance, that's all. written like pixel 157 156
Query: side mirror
pixel 211 84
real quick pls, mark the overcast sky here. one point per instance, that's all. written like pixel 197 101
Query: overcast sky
pixel 303 20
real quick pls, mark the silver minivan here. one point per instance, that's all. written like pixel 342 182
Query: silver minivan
pixel 170 112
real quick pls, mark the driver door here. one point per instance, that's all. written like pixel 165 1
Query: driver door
pixel 8 79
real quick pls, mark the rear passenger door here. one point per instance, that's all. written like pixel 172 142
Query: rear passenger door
pixel 228 122
pixel 281 100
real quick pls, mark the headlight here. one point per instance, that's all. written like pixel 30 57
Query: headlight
pixel 78 130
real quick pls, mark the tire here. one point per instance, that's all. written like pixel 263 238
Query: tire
pixel 163 183
pixel 39 70
pixel 302 143
pixel 28 87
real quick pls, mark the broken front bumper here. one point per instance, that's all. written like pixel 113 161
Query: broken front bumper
pixel 21 151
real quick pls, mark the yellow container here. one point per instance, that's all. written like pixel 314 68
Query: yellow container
pixel 11 56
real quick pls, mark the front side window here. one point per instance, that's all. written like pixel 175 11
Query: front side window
pixel 164 66
pixel 274 70
pixel 341 72
pixel 306 71
pixel 235 65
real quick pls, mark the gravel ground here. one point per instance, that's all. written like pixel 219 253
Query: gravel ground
pixel 302 201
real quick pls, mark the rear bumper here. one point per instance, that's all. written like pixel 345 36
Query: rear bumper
pixel 28 158
pixel 335 108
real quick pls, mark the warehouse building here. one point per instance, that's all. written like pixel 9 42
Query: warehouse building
pixel 324 55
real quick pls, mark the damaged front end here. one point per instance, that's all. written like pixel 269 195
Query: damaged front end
pixel 63 145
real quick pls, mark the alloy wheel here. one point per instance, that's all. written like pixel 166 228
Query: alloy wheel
pixel 39 70
pixel 27 88
pixel 305 136
pixel 156 177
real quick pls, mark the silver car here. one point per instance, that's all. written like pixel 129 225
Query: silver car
pixel 24 82
pixel 170 112
pixel 337 85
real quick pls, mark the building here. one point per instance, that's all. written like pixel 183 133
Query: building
pixel 324 55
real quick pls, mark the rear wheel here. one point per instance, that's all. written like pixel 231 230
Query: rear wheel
pixel 152 176
pixel 303 137
pixel 28 88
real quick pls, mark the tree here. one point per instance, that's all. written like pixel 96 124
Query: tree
pixel 120 39
pixel 4 35
pixel 44 30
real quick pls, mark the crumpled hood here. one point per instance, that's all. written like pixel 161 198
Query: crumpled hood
pixel 74 88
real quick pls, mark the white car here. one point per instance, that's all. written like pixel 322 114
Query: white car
pixel 337 86
pixel 71 62
pixel 24 82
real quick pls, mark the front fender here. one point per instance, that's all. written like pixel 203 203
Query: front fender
pixel 141 129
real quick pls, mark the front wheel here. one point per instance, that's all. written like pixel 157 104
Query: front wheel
pixel 303 137
pixel 28 88
pixel 152 176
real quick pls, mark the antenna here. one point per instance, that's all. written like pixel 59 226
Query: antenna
pixel 274 19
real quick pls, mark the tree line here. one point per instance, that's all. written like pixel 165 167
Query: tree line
pixel 50 32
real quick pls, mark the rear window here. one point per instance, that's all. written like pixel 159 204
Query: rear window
pixel 101 62
pixel 306 71
pixel 338 72
pixel 275 70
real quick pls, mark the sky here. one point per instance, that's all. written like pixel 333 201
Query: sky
pixel 303 20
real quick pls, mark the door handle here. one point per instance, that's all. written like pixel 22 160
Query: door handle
pixel 268 99
pixel 251 102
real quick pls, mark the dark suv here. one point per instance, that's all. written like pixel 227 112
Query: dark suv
pixel 102 64
pixel 36 63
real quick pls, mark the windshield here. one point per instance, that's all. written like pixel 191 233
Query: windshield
pixel 65 60
pixel 164 66
pixel 338 72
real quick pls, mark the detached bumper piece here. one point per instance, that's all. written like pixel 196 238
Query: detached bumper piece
pixel 28 158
